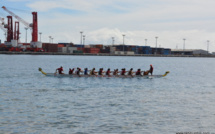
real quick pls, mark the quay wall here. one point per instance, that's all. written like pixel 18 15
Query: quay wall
pixel 100 54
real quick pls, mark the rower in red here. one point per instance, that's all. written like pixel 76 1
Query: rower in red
pixel 108 72
pixel 60 70
pixel 71 70
pixel 123 71
pixel 138 72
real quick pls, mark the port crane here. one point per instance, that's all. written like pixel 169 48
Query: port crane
pixel 16 31
pixel 33 26
pixel 9 26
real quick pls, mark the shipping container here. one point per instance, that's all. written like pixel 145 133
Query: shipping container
pixel 79 46
pixel 104 50
pixel 100 46
pixel 146 50
pixel 47 47
pixel 119 52
pixel 129 52
pixel 91 50
pixel 167 51
pixel 157 50
pixel 77 51
pixel 26 44
pixel 86 46
pixel 61 45
pixel 71 49
pixel 65 44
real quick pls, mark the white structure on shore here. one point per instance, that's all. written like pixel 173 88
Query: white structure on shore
pixel 189 52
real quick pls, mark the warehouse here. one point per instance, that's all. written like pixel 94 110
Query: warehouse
pixel 188 52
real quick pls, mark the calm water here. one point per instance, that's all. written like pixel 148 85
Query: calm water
pixel 184 101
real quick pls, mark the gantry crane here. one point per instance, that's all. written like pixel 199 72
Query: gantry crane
pixel 16 31
pixel 9 27
pixel 33 25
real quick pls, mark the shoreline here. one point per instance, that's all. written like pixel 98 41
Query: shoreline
pixel 102 54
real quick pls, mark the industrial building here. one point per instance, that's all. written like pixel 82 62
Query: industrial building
pixel 189 52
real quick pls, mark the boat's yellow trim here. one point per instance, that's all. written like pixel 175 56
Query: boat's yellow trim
pixel 40 69
pixel 166 73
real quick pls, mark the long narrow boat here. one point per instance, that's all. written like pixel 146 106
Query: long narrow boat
pixel 116 76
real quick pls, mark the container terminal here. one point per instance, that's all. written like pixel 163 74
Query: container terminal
pixel 12 44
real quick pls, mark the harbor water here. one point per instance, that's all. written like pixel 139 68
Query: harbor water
pixel 183 101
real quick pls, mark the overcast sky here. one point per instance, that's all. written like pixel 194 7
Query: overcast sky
pixel 100 20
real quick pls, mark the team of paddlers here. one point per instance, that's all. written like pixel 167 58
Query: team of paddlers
pixel 101 72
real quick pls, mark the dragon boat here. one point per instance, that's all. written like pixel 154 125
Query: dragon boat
pixel 107 76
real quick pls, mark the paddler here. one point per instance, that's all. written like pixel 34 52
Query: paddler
pixel 130 72
pixel 145 72
pixel 93 72
pixel 86 71
pixel 71 71
pixel 101 71
pixel 123 71
pixel 60 70
pixel 115 72
pixel 138 72
pixel 78 71
pixel 151 69
pixel 108 72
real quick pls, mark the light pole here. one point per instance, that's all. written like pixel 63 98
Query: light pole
pixel 156 38
pixel 50 39
pixel 84 39
pixel 145 42
pixel 123 42
pixel 26 34
pixel 40 36
pixel 81 32
pixel 184 45
pixel 113 40
pixel 208 46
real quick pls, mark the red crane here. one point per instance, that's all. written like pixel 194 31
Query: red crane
pixel 34 25
pixel 16 31
pixel 9 27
